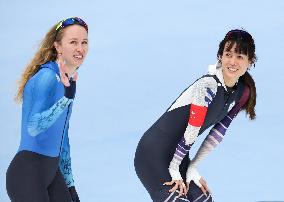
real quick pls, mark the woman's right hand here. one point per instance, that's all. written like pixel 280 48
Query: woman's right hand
pixel 69 83
pixel 63 69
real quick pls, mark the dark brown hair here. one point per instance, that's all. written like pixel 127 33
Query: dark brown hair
pixel 244 45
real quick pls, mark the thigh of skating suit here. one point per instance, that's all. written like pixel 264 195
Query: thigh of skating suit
pixel 28 176
pixel 58 190
pixel 152 159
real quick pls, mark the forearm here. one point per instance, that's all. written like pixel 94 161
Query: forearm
pixel 180 152
pixel 195 121
pixel 215 136
pixel 41 121
pixel 201 94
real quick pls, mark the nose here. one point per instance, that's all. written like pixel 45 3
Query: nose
pixel 79 48
pixel 233 61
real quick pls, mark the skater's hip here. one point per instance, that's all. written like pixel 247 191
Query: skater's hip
pixel 27 166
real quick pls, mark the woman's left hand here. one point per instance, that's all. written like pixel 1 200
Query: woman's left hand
pixel 179 185
pixel 193 175
pixel 202 185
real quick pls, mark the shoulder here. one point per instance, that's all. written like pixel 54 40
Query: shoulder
pixel 46 77
pixel 206 81
pixel 46 74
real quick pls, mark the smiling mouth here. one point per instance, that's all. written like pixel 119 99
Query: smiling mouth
pixel 232 69
pixel 78 57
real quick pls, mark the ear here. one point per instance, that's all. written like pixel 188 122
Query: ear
pixel 219 59
pixel 251 64
pixel 249 67
pixel 57 46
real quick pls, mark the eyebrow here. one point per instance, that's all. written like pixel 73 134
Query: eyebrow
pixel 230 51
pixel 77 39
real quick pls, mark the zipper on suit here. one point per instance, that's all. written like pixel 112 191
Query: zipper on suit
pixel 64 129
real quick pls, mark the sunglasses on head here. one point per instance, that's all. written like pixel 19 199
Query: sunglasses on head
pixel 237 33
pixel 71 21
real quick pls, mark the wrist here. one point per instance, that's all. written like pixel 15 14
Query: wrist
pixel 192 174
pixel 175 174
pixel 70 90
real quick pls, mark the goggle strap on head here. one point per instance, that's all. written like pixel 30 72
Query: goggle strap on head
pixel 71 21
pixel 59 24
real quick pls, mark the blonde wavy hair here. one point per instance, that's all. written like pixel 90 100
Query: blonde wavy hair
pixel 46 52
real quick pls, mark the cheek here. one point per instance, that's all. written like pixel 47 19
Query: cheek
pixel 68 50
pixel 224 62
pixel 243 69
pixel 86 49
pixel 245 65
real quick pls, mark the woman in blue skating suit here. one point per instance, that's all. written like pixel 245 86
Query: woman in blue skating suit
pixel 41 169
pixel 161 159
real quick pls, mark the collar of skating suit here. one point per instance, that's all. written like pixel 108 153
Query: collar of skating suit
pixel 217 70
pixel 51 65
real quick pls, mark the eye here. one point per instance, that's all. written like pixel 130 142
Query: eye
pixel 73 42
pixel 85 42
pixel 228 54
pixel 240 57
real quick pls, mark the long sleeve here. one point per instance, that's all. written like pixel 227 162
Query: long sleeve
pixel 65 161
pixel 44 111
pixel 201 94
pixel 217 133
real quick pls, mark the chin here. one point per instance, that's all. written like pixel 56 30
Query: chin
pixel 77 64
pixel 232 75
